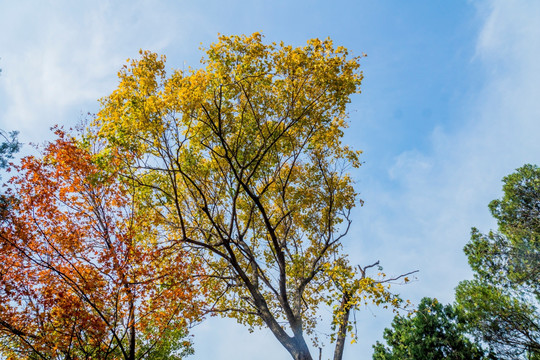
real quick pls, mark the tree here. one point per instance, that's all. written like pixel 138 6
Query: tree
pixel 501 302
pixel 244 161
pixel 84 273
pixel 434 332
pixel 8 147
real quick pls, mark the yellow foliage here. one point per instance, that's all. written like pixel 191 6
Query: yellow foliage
pixel 245 163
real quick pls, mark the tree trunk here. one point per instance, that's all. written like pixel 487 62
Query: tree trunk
pixel 302 355
pixel 131 325
pixel 344 322
pixel 296 346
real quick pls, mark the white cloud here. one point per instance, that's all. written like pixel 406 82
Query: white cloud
pixel 407 161
pixel 447 190
pixel 423 220
pixel 63 56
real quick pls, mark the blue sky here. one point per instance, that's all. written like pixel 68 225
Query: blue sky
pixel 449 105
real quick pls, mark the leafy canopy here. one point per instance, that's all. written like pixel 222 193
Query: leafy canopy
pixel 243 160
pixel 435 331
pixel 85 273
pixel 8 147
pixel 502 302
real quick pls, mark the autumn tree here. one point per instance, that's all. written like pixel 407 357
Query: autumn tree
pixel 85 274
pixel 502 301
pixel 244 161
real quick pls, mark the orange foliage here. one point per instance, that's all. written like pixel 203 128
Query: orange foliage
pixel 84 273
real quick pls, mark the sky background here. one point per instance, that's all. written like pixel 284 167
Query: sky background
pixel 450 104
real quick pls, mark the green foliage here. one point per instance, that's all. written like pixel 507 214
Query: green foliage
pixel 501 302
pixel 172 345
pixel 8 147
pixel 435 332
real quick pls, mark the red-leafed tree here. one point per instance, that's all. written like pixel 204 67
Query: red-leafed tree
pixel 85 273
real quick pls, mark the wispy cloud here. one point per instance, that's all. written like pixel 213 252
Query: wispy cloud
pixel 423 220
pixel 446 190
pixel 63 56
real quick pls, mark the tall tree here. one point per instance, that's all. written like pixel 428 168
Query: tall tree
pixel 502 302
pixel 85 274
pixel 434 332
pixel 244 160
